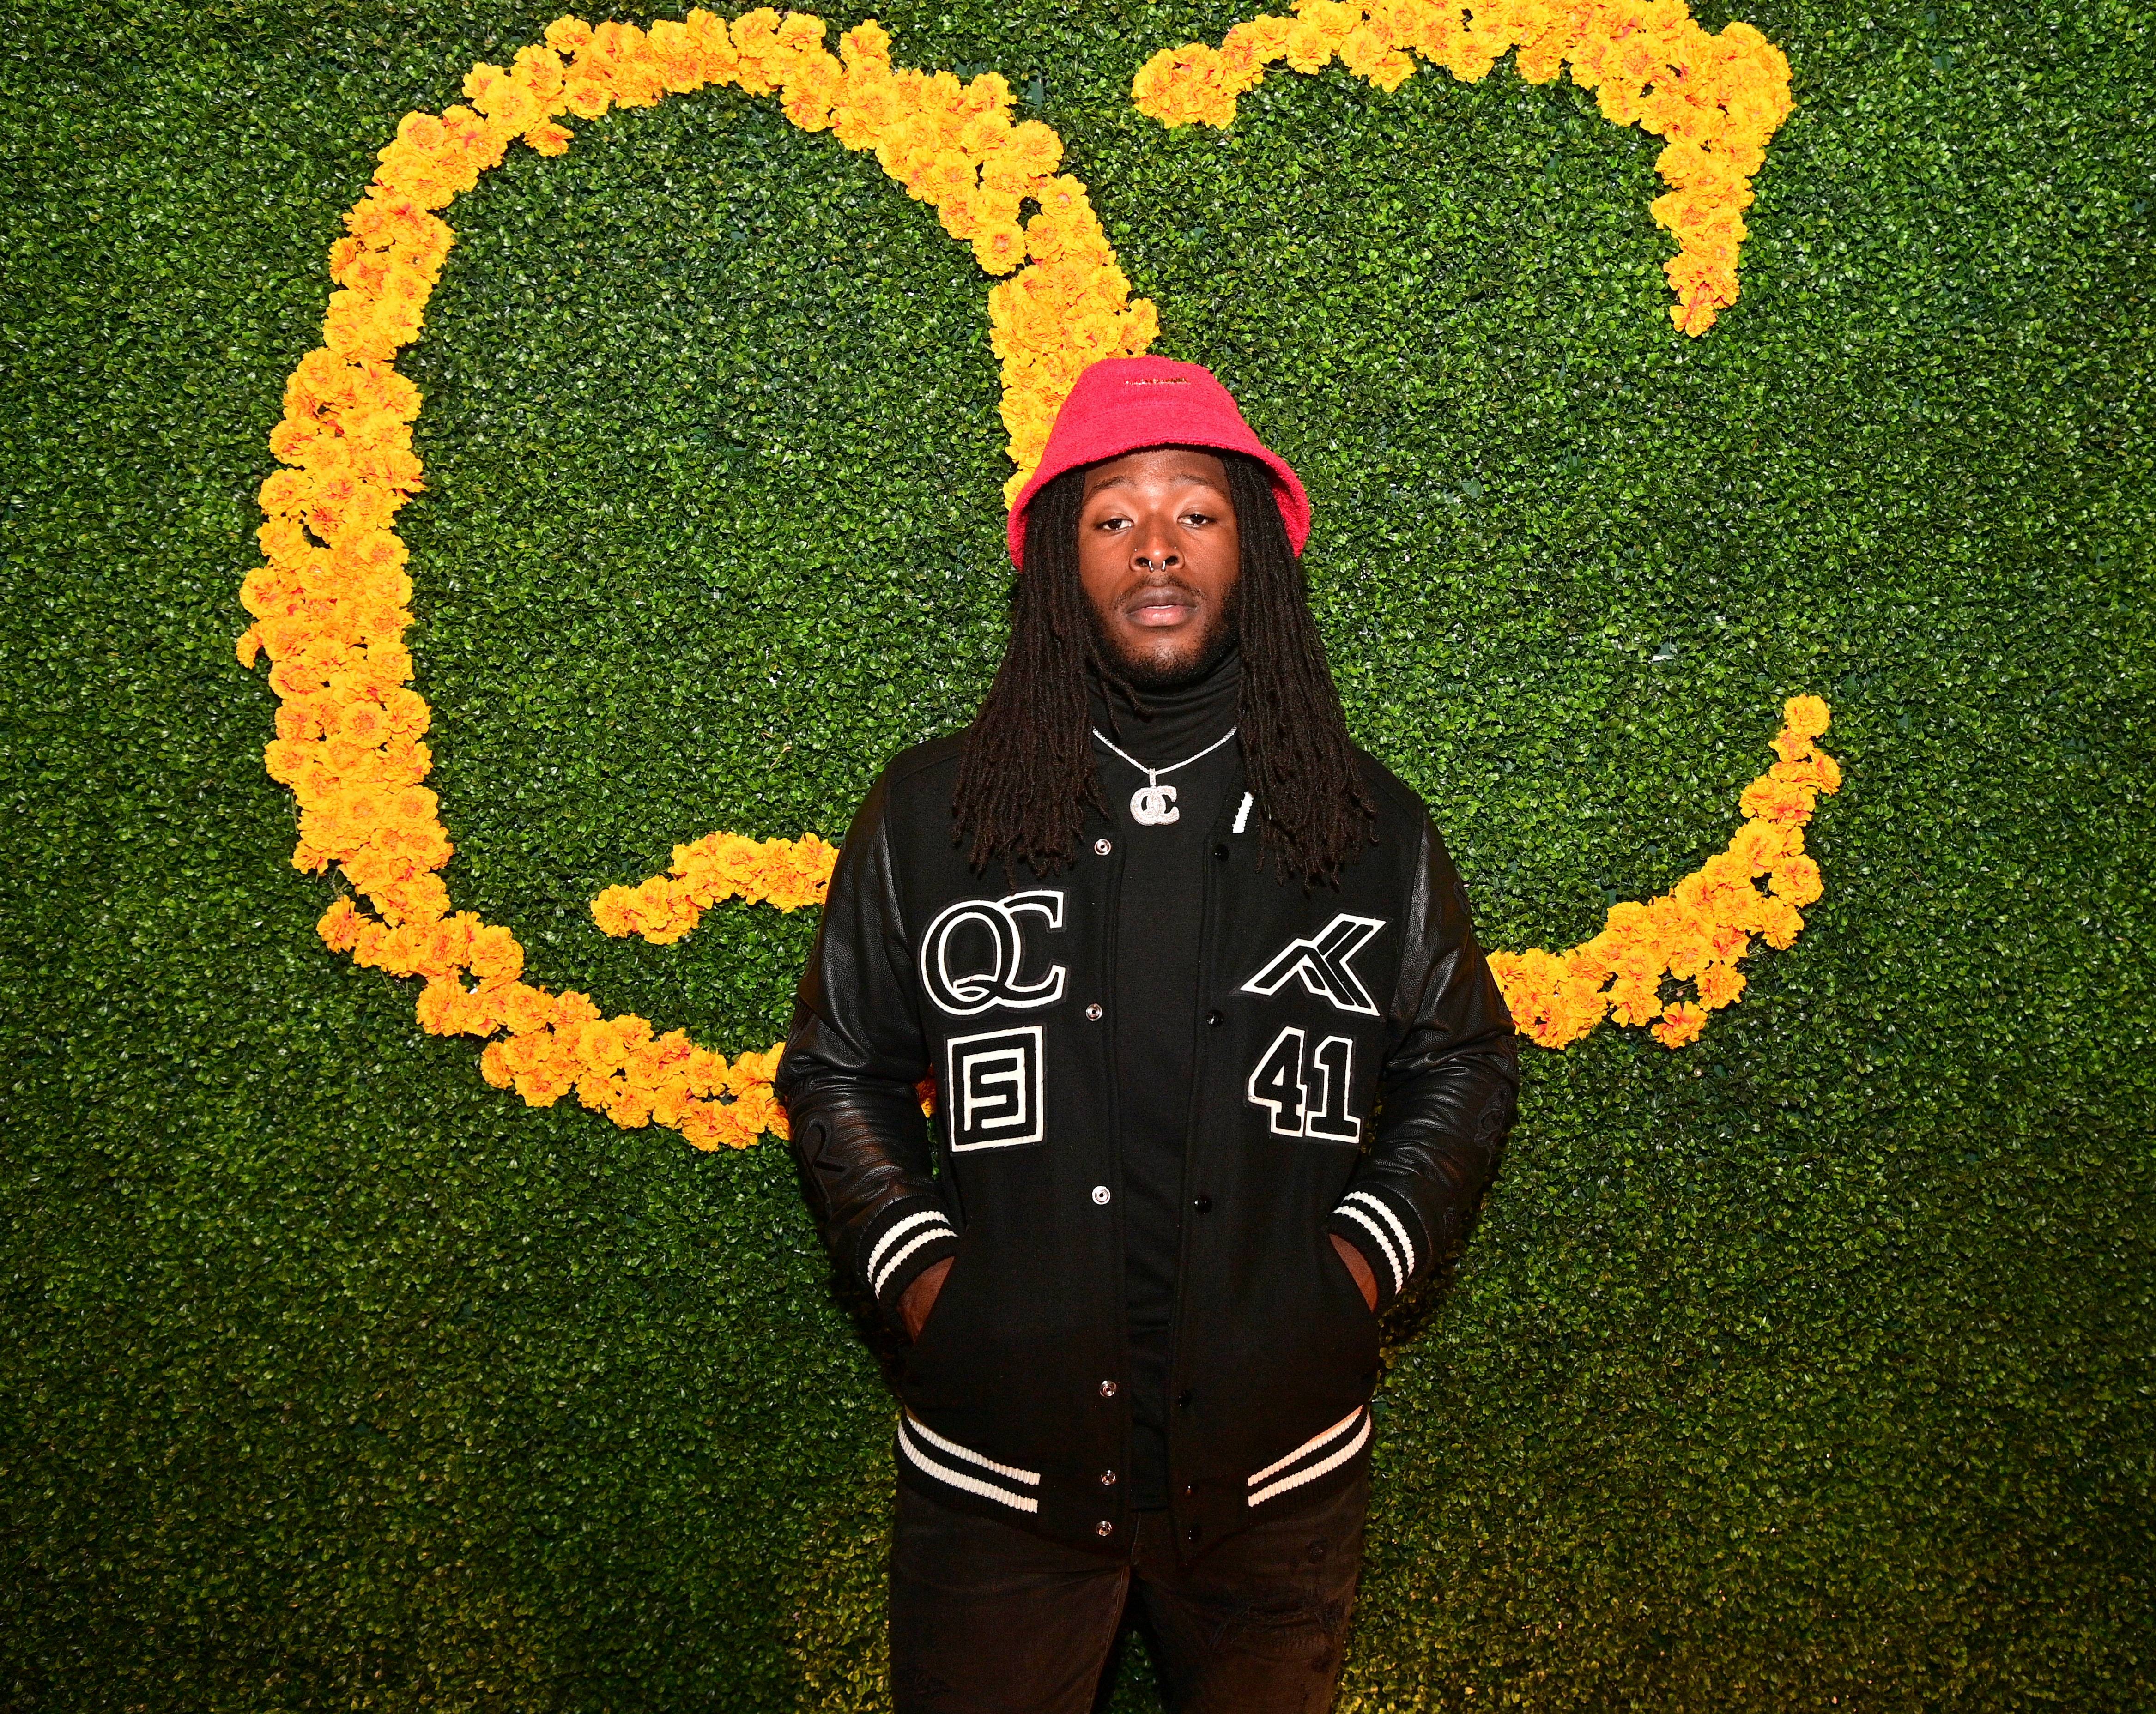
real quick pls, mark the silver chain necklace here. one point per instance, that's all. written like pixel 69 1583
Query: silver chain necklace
pixel 1153 805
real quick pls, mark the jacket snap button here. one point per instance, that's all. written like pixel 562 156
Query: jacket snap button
pixel 1100 1195
pixel 1221 852
pixel 1093 1013
pixel 1188 1489
pixel 1203 1204
pixel 1104 1528
pixel 1107 1389
pixel 1216 1019
pixel 1102 848
pixel 1107 1479
pixel 1182 1399
pixel 1196 1530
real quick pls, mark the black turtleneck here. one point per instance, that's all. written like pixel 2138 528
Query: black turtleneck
pixel 1153 1003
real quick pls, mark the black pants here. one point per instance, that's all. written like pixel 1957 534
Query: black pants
pixel 987 1619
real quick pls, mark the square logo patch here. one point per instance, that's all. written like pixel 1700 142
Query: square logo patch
pixel 995 1085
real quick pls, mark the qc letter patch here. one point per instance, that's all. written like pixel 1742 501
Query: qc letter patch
pixel 974 954
pixel 994 1085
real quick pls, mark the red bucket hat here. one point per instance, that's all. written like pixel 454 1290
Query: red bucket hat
pixel 1126 404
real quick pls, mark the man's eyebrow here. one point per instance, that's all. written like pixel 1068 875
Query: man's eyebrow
pixel 1106 483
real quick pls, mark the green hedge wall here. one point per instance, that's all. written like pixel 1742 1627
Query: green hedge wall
pixel 1805 1368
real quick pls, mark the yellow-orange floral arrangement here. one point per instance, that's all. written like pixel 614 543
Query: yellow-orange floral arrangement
pixel 1714 99
pixel 332 603
pixel 1699 931
pixel 787 873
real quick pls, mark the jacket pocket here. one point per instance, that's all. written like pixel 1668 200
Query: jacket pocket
pixel 1344 1285
pixel 935 1316
pixel 922 1355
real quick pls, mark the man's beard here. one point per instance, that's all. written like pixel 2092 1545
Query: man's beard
pixel 1145 674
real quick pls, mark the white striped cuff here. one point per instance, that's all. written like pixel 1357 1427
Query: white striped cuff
pixel 903 1246
pixel 1392 1223
pixel 1385 1227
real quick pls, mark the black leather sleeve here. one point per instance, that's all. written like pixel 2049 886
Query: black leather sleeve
pixel 1447 1096
pixel 848 1076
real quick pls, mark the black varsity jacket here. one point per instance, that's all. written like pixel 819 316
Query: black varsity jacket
pixel 1356 1073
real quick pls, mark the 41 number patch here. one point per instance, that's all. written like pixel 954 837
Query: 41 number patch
pixel 1306 1090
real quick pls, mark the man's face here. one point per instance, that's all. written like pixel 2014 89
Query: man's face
pixel 1159 555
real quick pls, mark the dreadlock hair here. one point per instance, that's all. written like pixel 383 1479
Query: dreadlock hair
pixel 1028 775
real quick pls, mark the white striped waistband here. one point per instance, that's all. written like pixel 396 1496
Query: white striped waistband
pixel 1341 1449
pixel 921 1443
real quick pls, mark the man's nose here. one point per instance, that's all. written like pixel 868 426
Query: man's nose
pixel 1154 551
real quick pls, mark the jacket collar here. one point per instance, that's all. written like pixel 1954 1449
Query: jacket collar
pixel 1161 727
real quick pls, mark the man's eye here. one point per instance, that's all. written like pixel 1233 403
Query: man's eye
pixel 1198 517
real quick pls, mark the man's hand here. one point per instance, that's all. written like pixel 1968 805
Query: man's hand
pixel 920 1296
pixel 1366 1282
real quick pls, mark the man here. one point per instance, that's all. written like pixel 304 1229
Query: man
pixel 1221 1073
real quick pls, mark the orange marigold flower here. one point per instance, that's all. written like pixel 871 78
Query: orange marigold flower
pixel 808 103
pixel 572 1008
pixel 709 1126
pixel 1363 50
pixel 1758 845
pixel 1769 799
pixel 568 35
pixel 437 1006
pixel 1719 985
pixel 1730 941
pixel 1808 716
pixel 526 1008
pixel 1309 49
pixel 1781 924
pixel 409 898
pixel 495 954
pixel 1633 1001
pixel 340 926
pixel 364 722
pixel 542 1086
pixel 866 44
pixel 443 946
pixel 1819 770
pixel 948 177
pixel 1679 1024
pixel 629 1106
pixel 585 94
pixel 1791 746
pixel 615 911
pixel 1796 879
pixel 537 68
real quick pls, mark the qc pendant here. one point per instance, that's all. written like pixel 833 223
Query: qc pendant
pixel 1154 806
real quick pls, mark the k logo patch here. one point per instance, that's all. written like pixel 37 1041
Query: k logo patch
pixel 1322 960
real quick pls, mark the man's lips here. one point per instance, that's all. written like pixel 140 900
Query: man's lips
pixel 1155 609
